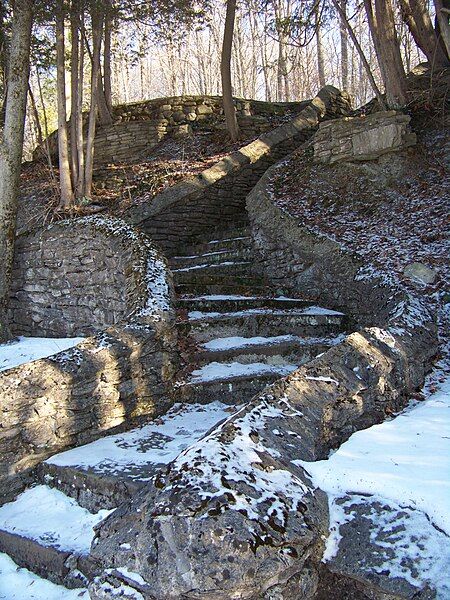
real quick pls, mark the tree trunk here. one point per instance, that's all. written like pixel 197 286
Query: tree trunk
pixel 384 36
pixel 37 122
pixel 362 56
pixel 442 15
pixel 416 16
pixel 97 28
pixel 225 70
pixel 65 181
pixel 107 86
pixel 320 60
pixel 74 89
pixel 344 43
pixel 11 147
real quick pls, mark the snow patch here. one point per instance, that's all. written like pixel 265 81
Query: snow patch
pixel 157 443
pixel 216 370
pixel 52 519
pixel 27 349
pixel 21 584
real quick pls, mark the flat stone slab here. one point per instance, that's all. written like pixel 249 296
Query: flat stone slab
pixel 50 518
pixel 138 453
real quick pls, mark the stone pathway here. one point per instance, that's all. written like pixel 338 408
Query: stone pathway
pixel 237 335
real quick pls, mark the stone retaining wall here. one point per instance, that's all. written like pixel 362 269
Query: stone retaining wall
pixel 177 215
pixel 139 126
pixel 110 381
pixel 78 276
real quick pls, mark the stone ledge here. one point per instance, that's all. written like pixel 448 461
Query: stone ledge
pixel 362 138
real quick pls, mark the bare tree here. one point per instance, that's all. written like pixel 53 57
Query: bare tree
pixel 380 15
pixel 225 70
pixel 65 179
pixel 416 16
pixel 360 51
pixel 11 147
pixel 97 31
pixel 319 44
pixel 443 27
pixel 344 43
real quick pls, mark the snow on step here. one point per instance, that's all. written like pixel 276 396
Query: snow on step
pixel 202 255
pixel 313 311
pixel 21 584
pixel 219 297
pixel 219 371
pixel 235 239
pixel 234 343
pixel 27 349
pixel 227 263
pixel 157 443
pixel 52 519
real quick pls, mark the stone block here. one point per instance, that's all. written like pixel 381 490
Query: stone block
pixel 362 138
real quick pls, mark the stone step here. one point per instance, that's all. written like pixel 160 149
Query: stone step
pixel 18 583
pixel 237 230
pixel 238 243
pixel 227 303
pixel 311 321
pixel 268 350
pixel 243 271
pixel 210 258
pixel 50 534
pixel 227 287
pixel 111 470
pixel 198 281
pixel 230 383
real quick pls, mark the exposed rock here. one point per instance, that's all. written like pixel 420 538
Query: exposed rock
pixel 420 273
pixel 232 517
pixel 385 549
pixel 362 138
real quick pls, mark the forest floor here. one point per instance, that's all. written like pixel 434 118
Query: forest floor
pixel 119 186
pixel 390 212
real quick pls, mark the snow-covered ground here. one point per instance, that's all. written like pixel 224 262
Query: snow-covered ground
pixel 26 349
pixel 21 584
pixel 405 464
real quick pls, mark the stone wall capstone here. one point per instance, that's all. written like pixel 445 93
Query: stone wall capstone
pixel 187 209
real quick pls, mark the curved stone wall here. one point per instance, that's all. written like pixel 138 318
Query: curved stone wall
pixel 139 126
pixel 217 195
pixel 76 277
pixel 81 275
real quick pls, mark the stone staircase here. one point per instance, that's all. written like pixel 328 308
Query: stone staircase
pixel 237 334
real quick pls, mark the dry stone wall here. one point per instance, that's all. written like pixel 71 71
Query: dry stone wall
pixel 362 138
pixel 188 209
pixel 139 126
pixel 76 277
